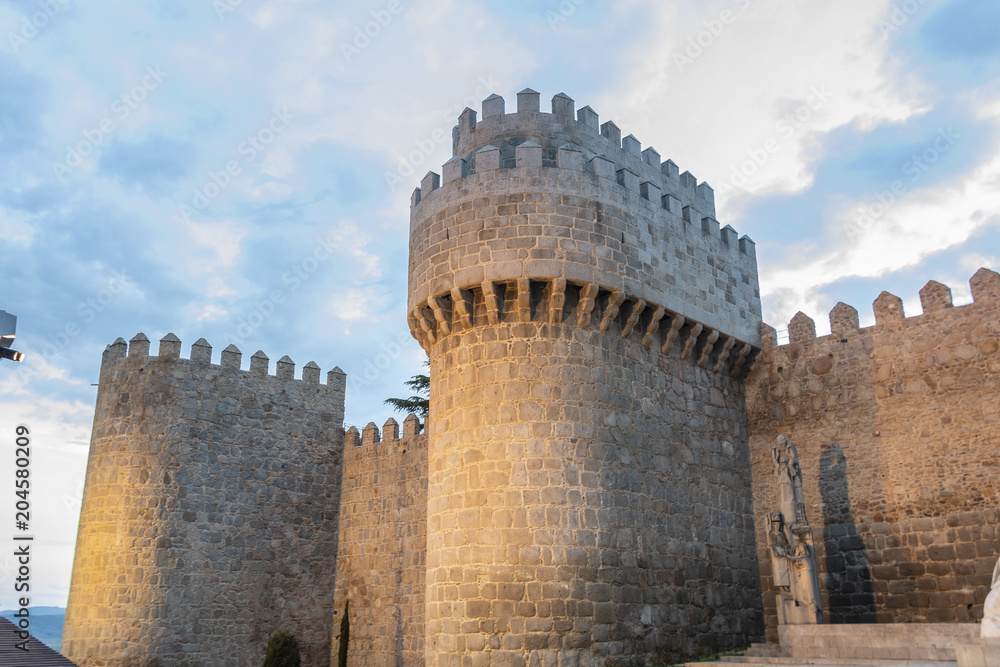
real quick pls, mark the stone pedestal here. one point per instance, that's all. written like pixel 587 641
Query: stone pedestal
pixel 983 653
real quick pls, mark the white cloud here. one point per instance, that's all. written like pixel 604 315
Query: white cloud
pixel 912 229
pixel 211 250
pixel 752 86
pixel 14 231
pixel 358 304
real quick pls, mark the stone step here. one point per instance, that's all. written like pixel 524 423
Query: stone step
pixel 788 660
pixel 766 650
pixel 743 661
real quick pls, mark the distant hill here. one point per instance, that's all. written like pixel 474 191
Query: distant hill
pixel 46 624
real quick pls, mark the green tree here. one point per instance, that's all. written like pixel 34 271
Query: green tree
pixel 282 651
pixel 345 636
pixel 420 402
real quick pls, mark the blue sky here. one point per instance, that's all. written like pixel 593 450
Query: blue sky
pixel 170 166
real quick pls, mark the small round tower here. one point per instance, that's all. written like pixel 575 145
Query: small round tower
pixel 588 326
pixel 210 511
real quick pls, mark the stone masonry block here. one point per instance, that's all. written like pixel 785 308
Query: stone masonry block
pixel 231 357
pixel 628 179
pixel 802 328
pixel 528 154
pixel 985 285
pixel 603 167
pixel 670 170
pixel 528 100
pixel 201 351
pixel 844 320
pixel 589 118
pixel 310 373
pixel 888 308
pixel 650 191
pixel 631 145
pixel 651 157
pixel 170 346
pixel 138 346
pixel 453 170
pixel 934 296
pixel 259 363
pixel 430 183
pixel 611 132
pixel 285 368
pixel 563 105
pixel 493 106
pixel 487 159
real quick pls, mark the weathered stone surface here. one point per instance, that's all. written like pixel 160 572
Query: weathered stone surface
pixel 383 542
pixel 588 491
pixel 210 514
pixel 895 428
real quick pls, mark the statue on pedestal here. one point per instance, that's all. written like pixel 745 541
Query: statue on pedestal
pixel 793 559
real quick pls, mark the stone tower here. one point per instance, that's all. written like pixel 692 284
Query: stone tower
pixel 210 510
pixel 589 327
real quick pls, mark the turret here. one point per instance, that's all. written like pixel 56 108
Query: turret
pixel 589 327
pixel 209 517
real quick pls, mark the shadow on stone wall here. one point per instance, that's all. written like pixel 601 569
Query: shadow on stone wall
pixel 848 577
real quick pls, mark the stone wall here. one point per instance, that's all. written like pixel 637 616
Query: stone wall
pixel 209 516
pixel 383 543
pixel 589 490
pixel 896 429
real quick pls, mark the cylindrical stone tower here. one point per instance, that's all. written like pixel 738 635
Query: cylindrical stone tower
pixel 589 326
pixel 210 511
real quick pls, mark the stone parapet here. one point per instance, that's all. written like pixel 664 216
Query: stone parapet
pixel 383 544
pixel 543 198
pixel 209 517
pixel 895 427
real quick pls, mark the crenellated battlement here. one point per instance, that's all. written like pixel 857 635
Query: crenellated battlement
pixel 370 434
pixel 558 145
pixel 935 300
pixel 200 470
pixel 137 350
pixel 568 205
pixel 896 429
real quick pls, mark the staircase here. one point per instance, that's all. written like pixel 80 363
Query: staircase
pixel 859 645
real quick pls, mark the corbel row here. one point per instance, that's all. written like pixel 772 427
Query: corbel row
pixel 438 316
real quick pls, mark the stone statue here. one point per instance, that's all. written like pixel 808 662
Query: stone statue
pixel 791 501
pixel 991 608
pixel 793 559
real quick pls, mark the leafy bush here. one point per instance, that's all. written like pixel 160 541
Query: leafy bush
pixel 282 651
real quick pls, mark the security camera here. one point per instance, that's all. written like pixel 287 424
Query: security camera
pixel 8 324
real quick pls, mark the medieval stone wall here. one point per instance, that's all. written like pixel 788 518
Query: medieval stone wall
pixel 896 429
pixel 209 517
pixel 383 543
pixel 588 464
